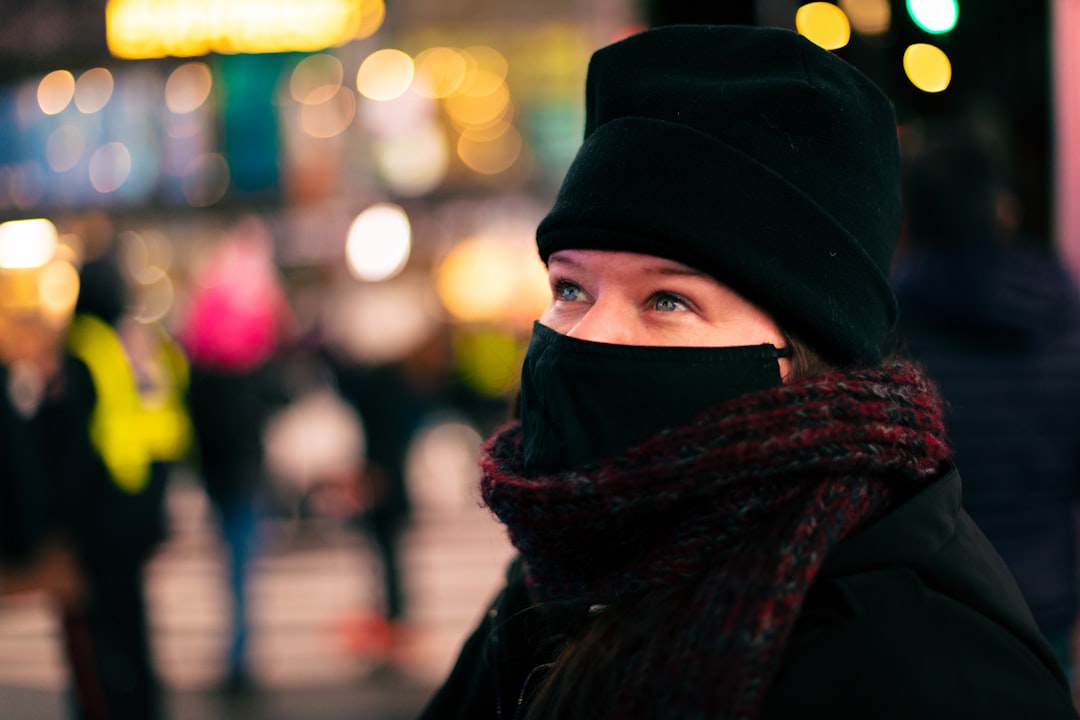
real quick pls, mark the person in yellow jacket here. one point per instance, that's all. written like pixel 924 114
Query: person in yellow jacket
pixel 139 427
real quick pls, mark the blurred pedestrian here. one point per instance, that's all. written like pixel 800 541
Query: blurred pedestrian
pixel 233 329
pixel 47 467
pixel 139 428
pixel 727 504
pixel 996 321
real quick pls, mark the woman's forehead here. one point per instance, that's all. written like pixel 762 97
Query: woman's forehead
pixel 579 258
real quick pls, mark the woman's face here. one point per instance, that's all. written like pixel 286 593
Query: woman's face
pixel 627 298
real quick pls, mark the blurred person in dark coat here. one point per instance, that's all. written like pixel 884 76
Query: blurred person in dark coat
pixel 996 321
pixel 47 469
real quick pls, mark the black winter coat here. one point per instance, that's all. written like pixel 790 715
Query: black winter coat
pixel 915 616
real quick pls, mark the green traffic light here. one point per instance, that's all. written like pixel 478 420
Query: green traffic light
pixel 936 17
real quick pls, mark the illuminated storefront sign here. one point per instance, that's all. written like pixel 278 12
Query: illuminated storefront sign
pixel 184 28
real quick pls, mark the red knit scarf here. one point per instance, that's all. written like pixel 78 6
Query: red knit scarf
pixel 744 503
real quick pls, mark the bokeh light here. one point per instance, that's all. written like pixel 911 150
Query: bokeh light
pixel 58 287
pixel 491 279
pixel 110 166
pixel 824 24
pixel 55 91
pixel 927 67
pixel 158 28
pixel 379 242
pixel 934 16
pixel 188 87
pixel 440 71
pixel 385 74
pixel 372 15
pixel 466 109
pixel 490 71
pixel 404 115
pixel 154 295
pixel 27 243
pixel 316 79
pixel 330 117
pixel 415 163
pixel 93 90
pixel 868 17
pixel 490 156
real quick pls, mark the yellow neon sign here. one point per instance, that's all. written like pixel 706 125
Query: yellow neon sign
pixel 186 28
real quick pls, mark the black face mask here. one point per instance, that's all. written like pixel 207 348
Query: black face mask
pixel 583 401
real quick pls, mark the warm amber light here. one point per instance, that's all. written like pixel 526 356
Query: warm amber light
pixel 478 109
pixel 184 28
pixel 440 72
pixel 188 87
pixel 868 17
pixel 385 74
pixel 927 67
pixel 55 91
pixel 27 243
pixel 823 24
pixel 490 157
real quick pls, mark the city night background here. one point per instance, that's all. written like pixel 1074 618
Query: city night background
pixel 393 158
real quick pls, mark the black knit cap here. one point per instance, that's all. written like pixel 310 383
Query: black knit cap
pixel 750 154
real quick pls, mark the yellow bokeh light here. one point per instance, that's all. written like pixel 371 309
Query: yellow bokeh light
pixel 27 243
pixel 55 91
pixel 468 110
pixel 927 67
pixel 372 15
pixel 490 70
pixel 823 24
pixel 492 130
pixel 490 157
pixel 188 87
pixel 93 90
pixel 183 28
pixel 476 280
pixel 868 17
pixel 385 74
pixel 58 286
pixel 493 277
pixel 440 70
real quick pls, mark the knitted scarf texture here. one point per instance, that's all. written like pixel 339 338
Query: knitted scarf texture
pixel 742 504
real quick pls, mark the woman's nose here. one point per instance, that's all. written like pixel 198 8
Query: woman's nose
pixel 607 321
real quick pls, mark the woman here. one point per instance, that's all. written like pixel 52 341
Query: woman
pixel 726 504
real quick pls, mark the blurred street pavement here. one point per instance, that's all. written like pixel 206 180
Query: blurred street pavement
pixel 315 583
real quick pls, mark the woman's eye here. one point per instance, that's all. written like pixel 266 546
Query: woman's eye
pixel 567 292
pixel 665 302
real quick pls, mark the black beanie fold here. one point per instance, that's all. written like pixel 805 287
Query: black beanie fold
pixel 761 236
